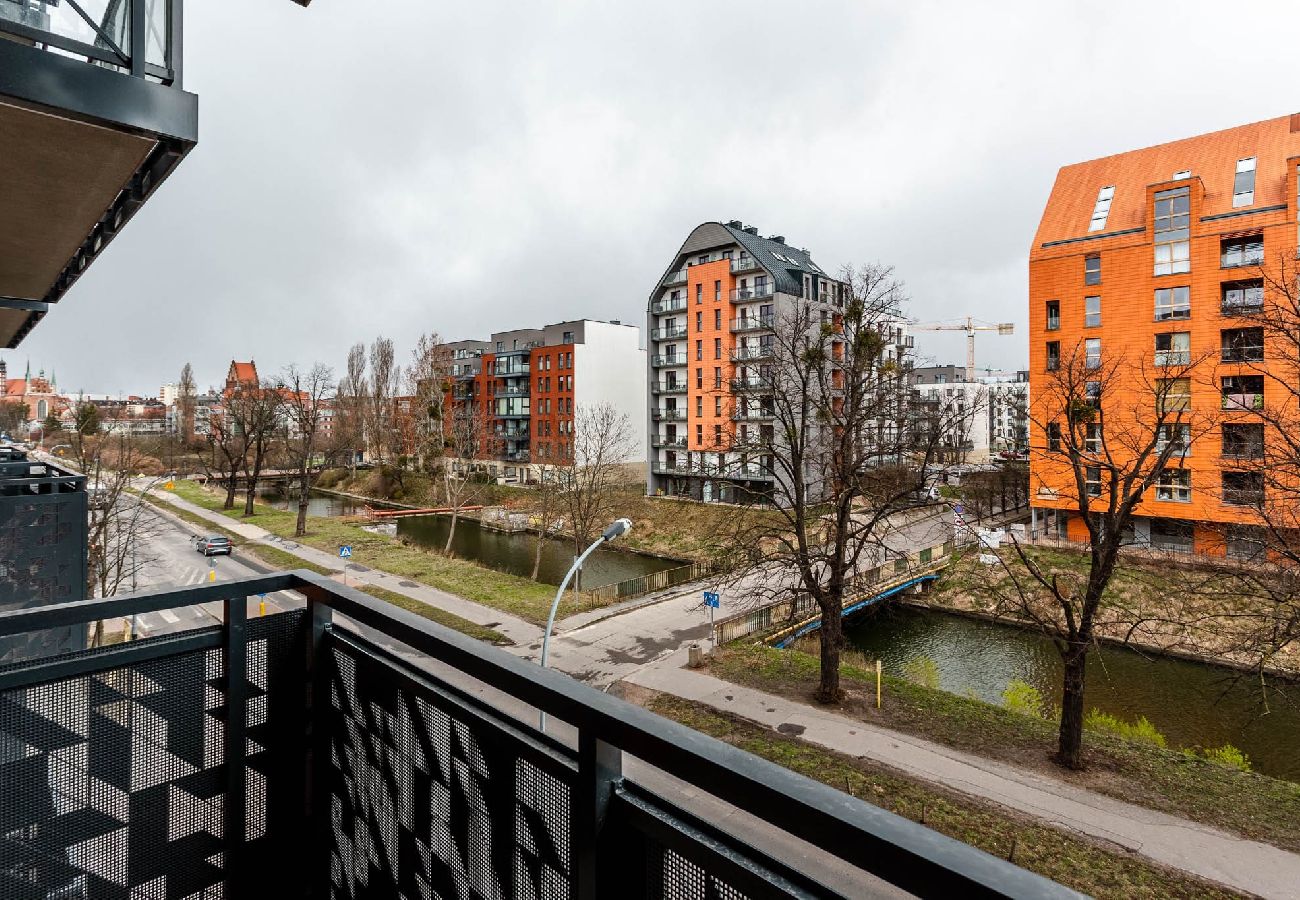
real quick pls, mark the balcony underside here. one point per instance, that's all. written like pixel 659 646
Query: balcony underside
pixel 84 148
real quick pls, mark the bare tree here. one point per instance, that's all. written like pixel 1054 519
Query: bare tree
pixel 588 481
pixel 255 410
pixel 467 437
pixel 429 381
pixel 13 416
pixel 304 396
pixel 546 507
pixel 353 391
pixel 225 453
pixel 185 402
pixel 385 375
pixel 846 454
pixel 1112 428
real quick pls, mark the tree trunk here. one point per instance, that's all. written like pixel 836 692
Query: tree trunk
pixel 1069 751
pixel 230 493
pixel 451 532
pixel 304 497
pixel 832 638
pixel 248 497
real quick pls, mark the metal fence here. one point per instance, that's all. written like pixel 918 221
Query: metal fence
pixel 345 749
pixel 643 585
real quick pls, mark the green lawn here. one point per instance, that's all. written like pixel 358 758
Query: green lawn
pixel 1075 861
pixel 529 600
pixel 441 616
pixel 1253 805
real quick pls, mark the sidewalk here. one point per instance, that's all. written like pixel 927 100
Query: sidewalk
pixel 519 631
pixel 1190 846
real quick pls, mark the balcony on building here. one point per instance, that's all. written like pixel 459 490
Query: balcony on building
pixel 514 390
pixel 741 264
pixel 666 360
pixel 753 414
pixel 752 323
pixel 93 122
pixel 751 384
pixel 680 468
pixel 668 333
pixel 751 353
pixel 668 305
pixel 669 414
pixel 667 443
pixel 746 294
pixel 1242 392
pixel 672 279
pixel 668 387
pixel 518 456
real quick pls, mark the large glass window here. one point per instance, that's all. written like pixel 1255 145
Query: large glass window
pixel 1175 485
pixel 1243 488
pixel 1173 303
pixel 1174 348
pixel 1243 440
pixel 1101 209
pixel 1092 437
pixel 1242 392
pixel 1091 312
pixel 1092 480
pixel 1173 395
pixel 1092 270
pixel 1092 353
pixel 1053 355
pixel 1054 437
pixel 1241 251
pixel 1242 344
pixel 1242 297
pixel 1053 315
pixel 1243 183
pixel 1177 433
pixel 1172 229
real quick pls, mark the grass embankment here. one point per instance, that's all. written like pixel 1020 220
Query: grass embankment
pixel 521 597
pixel 1252 805
pixel 283 559
pixel 1073 860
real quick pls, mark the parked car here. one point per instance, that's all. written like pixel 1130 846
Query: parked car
pixel 213 546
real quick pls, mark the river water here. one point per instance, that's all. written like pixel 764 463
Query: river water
pixel 1190 703
pixel 511 553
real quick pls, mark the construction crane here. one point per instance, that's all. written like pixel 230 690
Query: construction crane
pixel 970 326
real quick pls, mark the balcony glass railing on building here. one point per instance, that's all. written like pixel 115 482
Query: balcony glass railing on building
pixel 102 33
pixel 668 387
pixel 671 414
pixel 752 323
pixel 668 333
pixel 751 352
pixel 668 443
pixel 675 278
pixel 751 384
pixel 675 468
pixel 670 359
pixel 511 368
pixel 744 264
pixel 346 748
pixel 757 292
pixel 518 390
pixel 753 414
pixel 668 305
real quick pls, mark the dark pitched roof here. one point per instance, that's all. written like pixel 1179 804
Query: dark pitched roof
pixel 787 264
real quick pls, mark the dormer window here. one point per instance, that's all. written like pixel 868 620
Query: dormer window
pixel 1101 211
pixel 1243 183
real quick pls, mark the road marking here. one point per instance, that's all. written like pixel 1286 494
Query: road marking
pixel 168 616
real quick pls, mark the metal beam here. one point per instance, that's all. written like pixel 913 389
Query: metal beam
pixel 31 305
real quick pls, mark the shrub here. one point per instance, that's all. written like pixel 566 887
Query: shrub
pixel 1227 755
pixel 330 477
pixel 922 670
pixel 1141 731
pixel 1023 698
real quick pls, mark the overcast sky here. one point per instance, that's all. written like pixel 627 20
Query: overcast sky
pixel 401 167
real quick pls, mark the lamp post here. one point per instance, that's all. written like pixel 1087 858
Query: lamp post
pixel 615 529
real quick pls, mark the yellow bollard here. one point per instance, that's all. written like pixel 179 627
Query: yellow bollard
pixel 212 574
pixel 877 684
pixel 261 607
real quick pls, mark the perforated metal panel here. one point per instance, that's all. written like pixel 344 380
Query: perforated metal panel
pixel 113 783
pixel 671 876
pixel 427 800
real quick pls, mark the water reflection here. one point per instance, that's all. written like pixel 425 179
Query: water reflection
pixel 1190 703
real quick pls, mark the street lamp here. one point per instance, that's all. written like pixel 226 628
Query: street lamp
pixel 617 528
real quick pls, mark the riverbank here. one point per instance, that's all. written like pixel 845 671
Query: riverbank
pixel 521 597
pixel 1252 805
pixel 1090 866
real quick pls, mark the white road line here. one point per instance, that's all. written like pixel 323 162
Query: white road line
pixel 168 616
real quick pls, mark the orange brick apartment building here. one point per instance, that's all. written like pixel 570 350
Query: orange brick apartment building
pixel 1156 255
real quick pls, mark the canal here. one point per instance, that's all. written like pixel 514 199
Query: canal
pixel 499 550
pixel 1190 703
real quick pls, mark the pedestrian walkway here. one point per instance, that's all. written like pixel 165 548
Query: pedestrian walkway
pixel 1182 844
pixel 519 631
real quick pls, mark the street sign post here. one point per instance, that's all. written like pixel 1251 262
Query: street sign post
pixel 712 600
pixel 345 552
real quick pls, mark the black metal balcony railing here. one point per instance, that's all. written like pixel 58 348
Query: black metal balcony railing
pixel 758 292
pixel 672 414
pixel 300 755
pixel 747 354
pixel 669 333
pixel 668 387
pixel 753 415
pixel 751 385
pixel 670 360
pixel 668 443
pixel 104 33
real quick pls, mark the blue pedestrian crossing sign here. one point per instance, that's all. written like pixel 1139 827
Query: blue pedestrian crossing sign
pixel 345 551
pixel 712 599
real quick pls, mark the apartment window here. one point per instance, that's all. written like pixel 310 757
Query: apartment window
pixel 717 319
pixel 941 378
pixel 1092 270
pixel 1092 437
pixel 1243 440
pixel 1241 251
pixel 717 435
pixel 699 434
pixel 1242 392
pixel 699 321
pixel 1243 183
pixel 1172 229
pixel 699 349
pixel 1054 437
pixel 1243 488
pixel 717 376
pixel 1242 344
pixel 717 348
pixel 699 379
pixel 1173 395
pixel 1245 542
pixel 1171 535
pixel 501 346
pixel 1173 303
pixel 717 291
pixel 727 254
pixel 1053 355
pixel 1179 434
pixel 1174 485
pixel 1053 315
pixel 699 407
pixel 702 259
pixel 1092 353
pixel 1091 312
pixel 717 404
pixel 699 294
pixel 1101 210
pixel 1092 480
pixel 1242 297
pixel 1174 348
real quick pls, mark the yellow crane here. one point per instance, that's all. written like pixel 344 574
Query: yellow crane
pixel 970 326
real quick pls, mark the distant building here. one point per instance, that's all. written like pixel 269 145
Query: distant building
pixel 40 394
pixel 985 418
